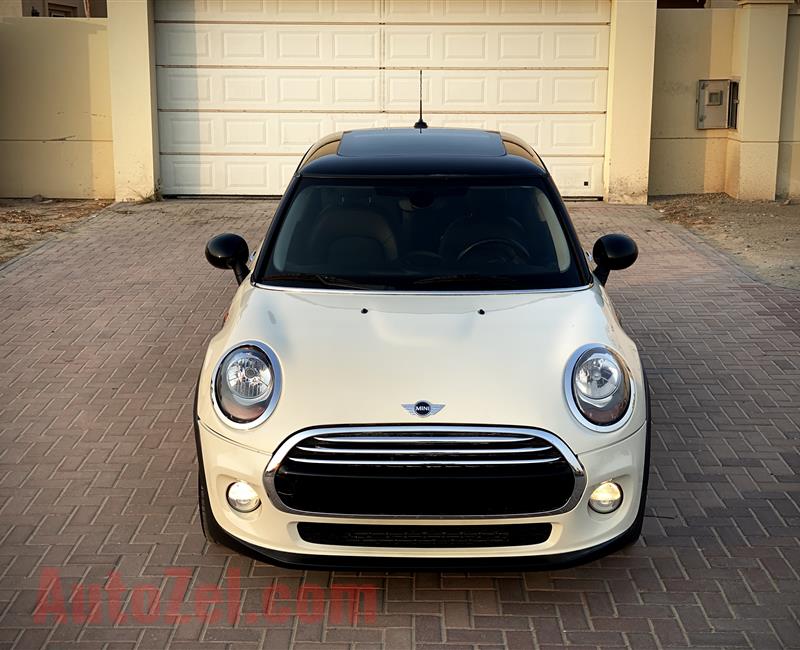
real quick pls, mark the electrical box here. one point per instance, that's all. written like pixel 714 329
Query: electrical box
pixel 717 103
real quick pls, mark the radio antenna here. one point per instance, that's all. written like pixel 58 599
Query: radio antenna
pixel 421 124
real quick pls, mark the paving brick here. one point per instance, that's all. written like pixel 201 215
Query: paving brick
pixel 98 474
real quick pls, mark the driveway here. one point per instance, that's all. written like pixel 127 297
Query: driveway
pixel 102 332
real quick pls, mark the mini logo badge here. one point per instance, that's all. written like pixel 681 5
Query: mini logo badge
pixel 423 409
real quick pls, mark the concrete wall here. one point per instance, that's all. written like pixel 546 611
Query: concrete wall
pixel 21 8
pixel 131 56
pixel 55 113
pixel 760 41
pixel 630 77
pixel 753 43
pixel 690 45
pixel 789 145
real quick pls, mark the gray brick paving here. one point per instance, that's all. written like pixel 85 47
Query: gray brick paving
pixel 101 335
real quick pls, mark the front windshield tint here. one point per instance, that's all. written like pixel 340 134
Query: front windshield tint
pixel 448 234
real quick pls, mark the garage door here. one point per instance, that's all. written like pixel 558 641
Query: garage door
pixel 245 86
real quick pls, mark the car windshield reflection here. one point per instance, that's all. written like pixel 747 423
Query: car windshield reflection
pixel 447 234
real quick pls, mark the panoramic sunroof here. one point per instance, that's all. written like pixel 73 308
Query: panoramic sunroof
pixel 421 142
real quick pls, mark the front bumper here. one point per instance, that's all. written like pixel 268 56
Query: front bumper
pixel 309 561
pixel 578 535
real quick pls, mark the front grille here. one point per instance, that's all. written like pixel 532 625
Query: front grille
pixel 424 472
pixel 454 536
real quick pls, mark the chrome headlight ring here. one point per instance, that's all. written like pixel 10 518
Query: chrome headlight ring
pixel 569 388
pixel 274 395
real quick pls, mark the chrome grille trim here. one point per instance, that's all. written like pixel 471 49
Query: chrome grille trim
pixel 419 439
pixel 432 463
pixel 424 435
pixel 428 452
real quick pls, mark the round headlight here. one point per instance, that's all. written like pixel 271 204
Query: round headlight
pixel 244 384
pixel 601 386
pixel 598 376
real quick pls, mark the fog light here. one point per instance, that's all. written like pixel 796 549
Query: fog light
pixel 242 497
pixel 607 497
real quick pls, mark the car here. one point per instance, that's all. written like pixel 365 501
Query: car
pixel 421 368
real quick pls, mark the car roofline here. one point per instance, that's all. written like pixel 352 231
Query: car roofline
pixel 328 148
pixel 534 173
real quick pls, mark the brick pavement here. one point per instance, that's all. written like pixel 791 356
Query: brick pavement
pixel 101 335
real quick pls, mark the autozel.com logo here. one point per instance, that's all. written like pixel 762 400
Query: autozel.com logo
pixel 173 601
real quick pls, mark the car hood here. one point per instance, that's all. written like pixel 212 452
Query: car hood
pixel 358 357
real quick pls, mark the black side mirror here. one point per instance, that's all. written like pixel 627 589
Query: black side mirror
pixel 229 251
pixel 613 253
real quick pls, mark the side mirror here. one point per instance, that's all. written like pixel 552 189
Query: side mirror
pixel 613 253
pixel 229 251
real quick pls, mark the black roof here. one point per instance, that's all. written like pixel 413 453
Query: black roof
pixel 410 152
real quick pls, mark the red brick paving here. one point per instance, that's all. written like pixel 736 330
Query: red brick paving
pixel 101 335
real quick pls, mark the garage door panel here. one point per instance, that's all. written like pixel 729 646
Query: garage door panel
pixel 494 46
pixel 506 91
pixel 259 175
pixel 191 132
pixel 351 122
pixel 253 89
pixel 406 46
pixel 254 133
pixel 209 174
pixel 579 92
pixel 269 11
pixel 497 11
pixel 277 46
pixel 245 86
pixel 577 176
pixel 423 11
pixel 292 133
pixel 577 134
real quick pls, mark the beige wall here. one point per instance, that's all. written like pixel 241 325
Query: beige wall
pixel 747 43
pixel 690 45
pixel 10 8
pixel 760 47
pixel 630 76
pixel 55 113
pixel 20 8
pixel 131 57
pixel 789 146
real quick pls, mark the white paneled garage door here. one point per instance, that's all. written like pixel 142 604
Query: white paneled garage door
pixel 245 86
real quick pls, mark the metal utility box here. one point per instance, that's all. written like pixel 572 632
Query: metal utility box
pixel 717 103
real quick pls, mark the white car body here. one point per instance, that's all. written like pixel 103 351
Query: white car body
pixel 493 360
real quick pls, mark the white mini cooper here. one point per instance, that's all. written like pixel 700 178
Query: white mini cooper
pixel 420 369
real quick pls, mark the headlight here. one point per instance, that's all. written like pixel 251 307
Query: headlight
pixel 245 384
pixel 600 386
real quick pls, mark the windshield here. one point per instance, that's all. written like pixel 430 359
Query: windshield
pixel 421 235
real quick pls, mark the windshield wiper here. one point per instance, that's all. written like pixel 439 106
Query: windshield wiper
pixel 320 278
pixel 344 283
pixel 466 278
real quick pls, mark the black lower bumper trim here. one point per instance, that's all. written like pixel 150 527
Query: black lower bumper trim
pixel 365 563
pixel 415 536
